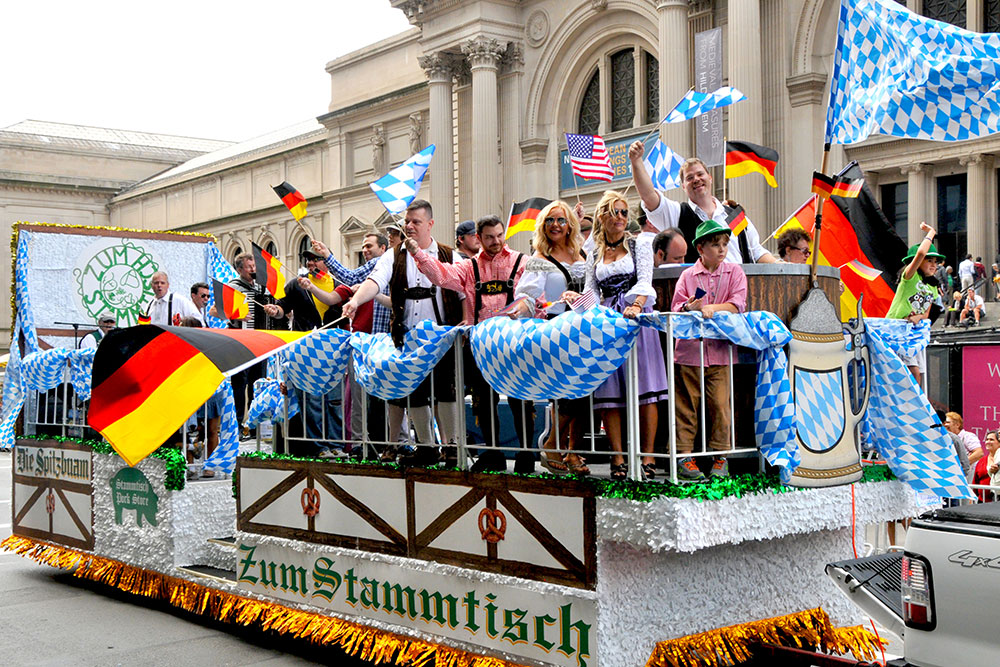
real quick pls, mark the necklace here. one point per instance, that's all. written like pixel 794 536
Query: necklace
pixel 614 244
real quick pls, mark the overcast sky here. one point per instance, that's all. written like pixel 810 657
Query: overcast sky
pixel 217 69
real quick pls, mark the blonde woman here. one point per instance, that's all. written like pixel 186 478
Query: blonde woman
pixel 620 270
pixel 558 265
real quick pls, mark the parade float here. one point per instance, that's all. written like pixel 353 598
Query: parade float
pixel 407 566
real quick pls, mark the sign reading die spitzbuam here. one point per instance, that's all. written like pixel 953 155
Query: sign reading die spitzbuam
pixel 52 492
pixel 550 628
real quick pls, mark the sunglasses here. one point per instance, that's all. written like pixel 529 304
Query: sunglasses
pixel 559 221
pixel 623 212
pixel 804 251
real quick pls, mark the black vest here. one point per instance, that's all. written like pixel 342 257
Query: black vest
pixel 688 222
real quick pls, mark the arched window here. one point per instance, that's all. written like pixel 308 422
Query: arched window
pixel 271 248
pixel 236 253
pixel 625 107
pixel 304 245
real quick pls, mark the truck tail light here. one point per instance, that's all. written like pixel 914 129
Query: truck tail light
pixel 918 593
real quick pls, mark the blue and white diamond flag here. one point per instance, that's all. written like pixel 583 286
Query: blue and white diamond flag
pixel 218 269
pixel 268 401
pixel 902 425
pixel 400 186
pixel 900 74
pixel 223 458
pixel 390 373
pixel 319 361
pixel 663 166
pixel 694 103
pixel 565 357
pixel 13 390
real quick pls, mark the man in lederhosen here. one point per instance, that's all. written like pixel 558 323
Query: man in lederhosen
pixel 414 298
pixel 488 281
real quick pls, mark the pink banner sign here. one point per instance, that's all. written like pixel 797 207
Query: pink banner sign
pixel 981 388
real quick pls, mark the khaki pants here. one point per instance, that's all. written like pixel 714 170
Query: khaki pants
pixel 716 406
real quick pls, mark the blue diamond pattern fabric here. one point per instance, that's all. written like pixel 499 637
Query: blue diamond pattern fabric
pixel 693 104
pixel 218 269
pixel 819 408
pixel 663 166
pixel 13 391
pixel 223 458
pixel 400 186
pixel 901 424
pixel 267 402
pixel 774 408
pixel 897 73
pixel 318 362
pixel 21 298
pixel 569 356
pixel 389 373
pixel 45 369
pixel 81 366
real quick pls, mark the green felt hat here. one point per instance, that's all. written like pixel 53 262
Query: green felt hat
pixel 912 252
pixel 709 228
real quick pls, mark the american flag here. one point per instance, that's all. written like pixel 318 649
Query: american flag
pixel 588 156
pixel 584 302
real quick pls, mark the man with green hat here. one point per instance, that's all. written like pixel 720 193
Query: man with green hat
pixel 913 296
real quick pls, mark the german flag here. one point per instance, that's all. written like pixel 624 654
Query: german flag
pixel 270 273
pixel 230 301
pixel 832 186
pixel 523 215
pixel 743 158
pixel 324 281
pixel 855 229
pixel 292 198
pixel 144 319
pixel 866 272
pixel 148 380
pixel 737 220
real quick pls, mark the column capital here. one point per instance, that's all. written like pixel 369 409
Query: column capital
pixel 513 58
pixel 663 5
pixel 912 169
pixel 439 67
pixel 971 160
pixel 484 52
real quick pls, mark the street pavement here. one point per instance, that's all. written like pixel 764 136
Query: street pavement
pixel 51 618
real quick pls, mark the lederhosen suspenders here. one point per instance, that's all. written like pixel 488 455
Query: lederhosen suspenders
pixel 493 287
pixel 688 223
pixel 421 293
pixel 170 309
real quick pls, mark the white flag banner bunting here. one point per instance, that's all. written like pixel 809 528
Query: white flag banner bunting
pixel 397 189
pixel 223 458
pixel 566 357
pixel 693 104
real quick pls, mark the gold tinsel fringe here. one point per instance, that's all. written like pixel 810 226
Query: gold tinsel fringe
pixel 731 645
pixel 361 641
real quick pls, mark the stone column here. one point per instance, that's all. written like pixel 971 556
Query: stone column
pixel 976 215
pixel 484 55
pixel 511 105
pixel 439 68
pixel 746 118
pixel 675 70
pixel 916 206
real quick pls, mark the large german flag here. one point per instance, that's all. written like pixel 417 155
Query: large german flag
pixel 230 301
pixel 292 198
pixel 743 158
pixel 148 380
pixel 270 273
pixel 855 229
pixel 523 215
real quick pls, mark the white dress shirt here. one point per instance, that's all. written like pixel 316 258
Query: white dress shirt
pixel 182 307
pixel 414 311
pixel 668 214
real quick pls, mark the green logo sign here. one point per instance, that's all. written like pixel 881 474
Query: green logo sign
pixel 130 490
pixel 116 281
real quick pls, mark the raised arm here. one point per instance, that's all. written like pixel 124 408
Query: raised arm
pixel 341 272
pixel 448 276
pixel 643 183
pixel 922 250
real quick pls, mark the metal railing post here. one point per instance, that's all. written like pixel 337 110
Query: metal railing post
pixel 460 426
pixel 632 413
pixel 671 400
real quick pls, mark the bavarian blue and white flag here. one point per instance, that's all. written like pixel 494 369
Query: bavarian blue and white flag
pixel 390 373
pixel 223 458
pixel 774 406
pixel 268 401
pixel 900 421
pixel 900 74
pixel 695 104
pixel 663 166
pixel 13 390
pixel 218 269
pixel 569 356
pixel 400 186
pixel 318 362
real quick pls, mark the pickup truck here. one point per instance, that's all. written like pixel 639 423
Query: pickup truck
pixel 941 593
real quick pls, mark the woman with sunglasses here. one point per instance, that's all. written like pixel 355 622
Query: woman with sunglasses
pixel 558 265
pixel 620 270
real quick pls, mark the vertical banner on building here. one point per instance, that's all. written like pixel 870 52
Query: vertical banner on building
pixel 710 145
pixel 981 388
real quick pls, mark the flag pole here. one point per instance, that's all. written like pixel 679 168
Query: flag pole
pixel 818 225
pixel 724 179
pixel 576 186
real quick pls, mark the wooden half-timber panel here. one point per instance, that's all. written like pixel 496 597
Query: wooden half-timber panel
pixel 541 529
pixel 53 496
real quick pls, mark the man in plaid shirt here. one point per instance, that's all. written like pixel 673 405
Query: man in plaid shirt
pixel 372 248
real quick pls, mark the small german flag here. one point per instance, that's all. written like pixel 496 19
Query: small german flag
pixel 866 272
pixel 144 319
pixel 523 215
pixel 737 220
pixel 230 301
pixel 292 198
pixel 833 186
pixel 270 273
pixel 743 158
pixel 148 380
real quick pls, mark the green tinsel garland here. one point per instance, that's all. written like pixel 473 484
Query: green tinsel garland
pixel 175 462
pixel 714 489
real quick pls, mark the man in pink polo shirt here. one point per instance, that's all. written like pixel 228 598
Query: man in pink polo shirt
pixel 488 281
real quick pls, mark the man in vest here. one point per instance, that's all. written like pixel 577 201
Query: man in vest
pixel 414 298
pixel 663 213
pixel 488 282
pixel 105 323
pixel 168 308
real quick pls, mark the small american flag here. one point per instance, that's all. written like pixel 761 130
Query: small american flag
pixel 584 302
pixel 588 156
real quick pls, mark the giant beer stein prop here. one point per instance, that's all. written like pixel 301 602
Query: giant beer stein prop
pixel 826 418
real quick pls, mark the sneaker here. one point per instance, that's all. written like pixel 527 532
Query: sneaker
pixel 332 453
pixel 490 461
pixel 720 467
pixel 688 471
